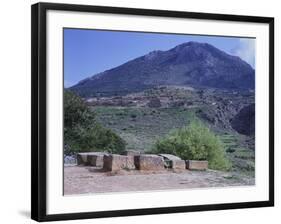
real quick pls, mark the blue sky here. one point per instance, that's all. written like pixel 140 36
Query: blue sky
pixel 87 52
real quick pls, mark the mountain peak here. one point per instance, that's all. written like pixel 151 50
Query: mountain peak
pixel 188 64
pixel 186 45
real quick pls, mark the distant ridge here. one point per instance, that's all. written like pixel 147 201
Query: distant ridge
pixel 188 64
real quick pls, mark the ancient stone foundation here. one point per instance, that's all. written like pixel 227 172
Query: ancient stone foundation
pixel 130 160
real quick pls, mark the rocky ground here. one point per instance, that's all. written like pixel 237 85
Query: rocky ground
pixel 85 180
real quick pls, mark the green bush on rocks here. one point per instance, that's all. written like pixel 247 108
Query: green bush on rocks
pixel 194 142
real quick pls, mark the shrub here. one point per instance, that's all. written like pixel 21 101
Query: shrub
pixel 194 142
pixel 96 138
pixel 82 132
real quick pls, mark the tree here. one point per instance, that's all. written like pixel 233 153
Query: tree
pixel 81 130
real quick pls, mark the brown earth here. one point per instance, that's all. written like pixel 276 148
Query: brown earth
pixel 86 179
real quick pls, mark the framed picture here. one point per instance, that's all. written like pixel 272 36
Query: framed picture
pixel 139 111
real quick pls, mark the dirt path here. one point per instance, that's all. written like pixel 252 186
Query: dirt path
pixel 83 179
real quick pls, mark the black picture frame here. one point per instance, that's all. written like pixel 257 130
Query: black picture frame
pixel 39 122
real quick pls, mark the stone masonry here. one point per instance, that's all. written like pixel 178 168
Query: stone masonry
pixel 96 159
pixel 135 160
pixel 116 162
pixel 196 165
pixel 149 162
pixel 173 162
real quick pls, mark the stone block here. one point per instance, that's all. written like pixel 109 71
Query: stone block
pixel 116 162
pixel 130 163
pixel 96 159
pixel 82 157
pixel 172 161
pixel 178 164
pixel 196 164
pixel 170 156
pixel 149 162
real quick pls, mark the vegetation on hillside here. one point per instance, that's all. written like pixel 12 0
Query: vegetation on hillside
pixel 141 126
pixel 82 132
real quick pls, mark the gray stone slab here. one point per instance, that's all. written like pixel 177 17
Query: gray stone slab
pixel 149 162
pixel 196 165
pixel 82 157
pixel 178 164
pixel 170 156
pixel 96 159
pixel 172 161
pixel 116 162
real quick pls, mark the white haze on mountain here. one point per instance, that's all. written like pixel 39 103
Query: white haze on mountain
pixel 246 50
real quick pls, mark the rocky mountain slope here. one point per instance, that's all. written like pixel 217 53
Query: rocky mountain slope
pixel 189 64
pixel 222 109
pixel 244 121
